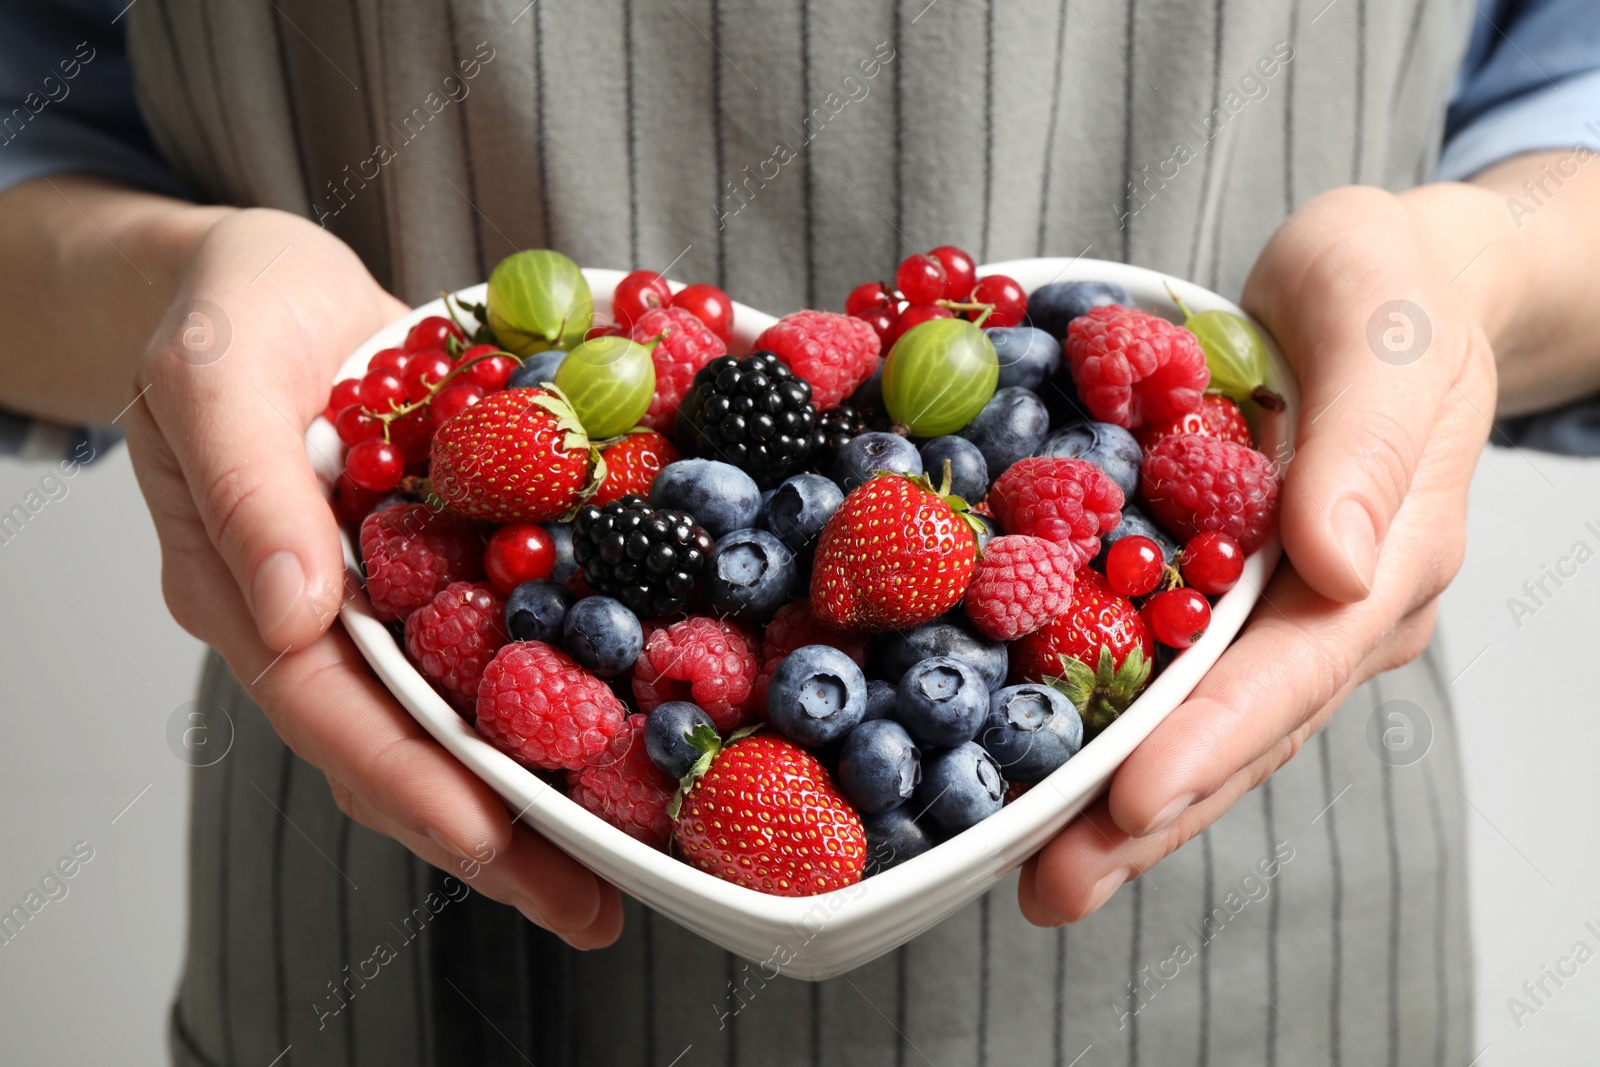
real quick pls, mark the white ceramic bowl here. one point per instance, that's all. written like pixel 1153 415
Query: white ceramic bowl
pixel 823 936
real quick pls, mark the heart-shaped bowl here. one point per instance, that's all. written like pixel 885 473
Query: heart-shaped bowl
pixel 822 936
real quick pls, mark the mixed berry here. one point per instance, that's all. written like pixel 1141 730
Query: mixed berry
pixel 798 614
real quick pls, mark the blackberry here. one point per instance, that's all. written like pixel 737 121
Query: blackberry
pixel 837 426
pixel 754 413
pixel 646 557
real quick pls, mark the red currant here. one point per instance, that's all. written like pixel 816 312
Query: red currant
pixel 1212 563
pixel 455 398
pixel 434 331
pixel 424 372
pixel 491 373
pixel 638 293
pixel 382 390
pixel 916 315
pixel 355 425
pixel 518 552
pixel 960 272
pixel 920 279
pixel 1134 565
pixel 376 465
pixel 341 396
pixel 1178 617
pixel 394 359
pixel 865 297
pixel 1010 302
pixel 710 305
pixel 351 503
pixel 882 320
pixel 413 434
pixel 469 354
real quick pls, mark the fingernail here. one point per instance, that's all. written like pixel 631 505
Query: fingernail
pixel 1169 814
pixel 530 911
pixel 1352 525
pixel 448 845
pixel 1103 890
pixel 279 584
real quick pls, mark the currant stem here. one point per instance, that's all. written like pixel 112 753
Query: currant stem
pixel 402 410
pixel 957 305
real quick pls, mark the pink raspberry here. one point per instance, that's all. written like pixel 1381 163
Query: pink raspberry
pixel 545 711
pixel 1196 483
pixel 626 789
pixel 794 626
pixel 410 552
pixel 1069 501
pixel 688 345
pixel 835 353
pixel 1020 584
pixel 1132 367
pixel 453 637
pixel 700 659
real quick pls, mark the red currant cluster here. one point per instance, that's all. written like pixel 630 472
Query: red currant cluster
pixel 937 285
pixel 645 290
pixel 1177 614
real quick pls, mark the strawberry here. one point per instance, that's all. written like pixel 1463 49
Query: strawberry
pixel 1098 652
pixel 761 812
pixel 632 463
pixel 520 454
pixel 896 554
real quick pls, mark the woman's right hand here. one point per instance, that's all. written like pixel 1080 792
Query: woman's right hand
pixel 268 308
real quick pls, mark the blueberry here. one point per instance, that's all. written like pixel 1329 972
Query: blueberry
pixel 942 702
pixel 800 508
pixel 1029 357
pixel 896 652
pixel 868 453
pixel 985 531
pixel 879 766
pixel 817 695
pixel 1051 307
pixel 666 736
pixel 1031 730
pixel 750 575
pixel 720 496
pixel 1135 521
pixel 969 472
pixel 1011 425
pixel 535 611
pixel 868 396
pixel 880 700
pixel 960 788
pixel 1060 396
pixel 1107 446
pixel 566 565
pixel 602 635
pixel 536 370
pixel 893 837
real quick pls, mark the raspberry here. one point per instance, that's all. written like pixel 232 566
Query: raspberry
pixel 453 637
pixel 688 345
pixel 626 789
pixel 632 465
pixel 1132 367
pixel 1196 483
pixel 545 711
pixel 835 353
pixel 794 626
pixel 700 659
pixel 1068 501
pixel 412 551
pixel 1218 417
pixel 1020 584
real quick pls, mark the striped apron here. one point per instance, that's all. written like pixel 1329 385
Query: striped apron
pixel 786 150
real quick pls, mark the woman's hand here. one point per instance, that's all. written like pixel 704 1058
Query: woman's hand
pixel 251 561
pixel 1373 523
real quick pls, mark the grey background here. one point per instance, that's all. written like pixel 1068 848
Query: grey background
pixel 93 668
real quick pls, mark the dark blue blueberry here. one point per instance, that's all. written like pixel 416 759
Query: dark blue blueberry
pixel 536 370
pixel 879 766
pixel 1107 446
pixel 896 652
pixel 720 496
pixel 942 702
pixel 1031 730
pixel 1051 307
pixel 986 530
pixel 868 397
pixel 666 736
pixel 960 788
pixel 566 565
pixel 390 500
pixel 602 635
pixel 816 696
pixel 1135 521
pixel 874 451
pixel 535 611
pixel 893 837
pixel 1029 357
pixel 750 575
pixel 800 508
pixel 1060 395
pixel 1010 427
pixel 880 699
pixel 969 471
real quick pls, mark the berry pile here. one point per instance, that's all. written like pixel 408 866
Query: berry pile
pixel 802 612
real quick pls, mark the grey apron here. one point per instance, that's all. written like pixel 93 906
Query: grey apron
pixel 788 150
